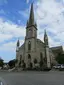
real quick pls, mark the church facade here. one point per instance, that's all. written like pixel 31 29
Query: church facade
pixel 34 50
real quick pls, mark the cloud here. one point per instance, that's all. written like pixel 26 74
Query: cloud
pixel 9 34
pixel 50 16
pixel 24 13
pixel 4 37
pixel 10 46
pixel 27 1
pixel 8 50
pixel 9 30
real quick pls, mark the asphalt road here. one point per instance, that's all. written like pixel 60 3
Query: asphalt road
pixel 32 78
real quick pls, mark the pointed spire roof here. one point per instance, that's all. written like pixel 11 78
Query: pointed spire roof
pixel 45 34
pixel 18 43
pixel 31 18
pixel 45 38
pixel 27 23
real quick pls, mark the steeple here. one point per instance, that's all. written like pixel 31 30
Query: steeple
pixel 31 18
pixel 45 34
pixel 27 23
pixel 45 38
pixel 18 43
pixel 17 46
pixel 31 31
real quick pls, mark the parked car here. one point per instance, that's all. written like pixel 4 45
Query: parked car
pixel 62 67
pixel 0 68
pixel 57 66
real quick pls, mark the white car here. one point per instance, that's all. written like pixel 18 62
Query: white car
pixel 0 68
pixel 62 66
pixel 57 66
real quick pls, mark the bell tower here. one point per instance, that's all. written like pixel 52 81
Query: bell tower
pixel 31 27
pixel 30 38
pixel 31 32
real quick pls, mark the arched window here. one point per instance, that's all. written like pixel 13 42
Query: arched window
pixel 20 60
pixel 35 61
pixel 29 45
pixel 41 60
pixel 41 56
pixel 29 56
pixel 20 57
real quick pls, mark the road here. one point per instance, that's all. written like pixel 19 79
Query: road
pixel 33 78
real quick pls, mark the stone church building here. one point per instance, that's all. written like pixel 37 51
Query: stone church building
pixel 34 50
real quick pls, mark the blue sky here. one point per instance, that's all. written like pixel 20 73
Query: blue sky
pixel 10 10
pixel 49 15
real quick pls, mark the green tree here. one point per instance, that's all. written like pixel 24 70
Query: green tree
pixel 1 62
pixel 60 58
pixel 12 63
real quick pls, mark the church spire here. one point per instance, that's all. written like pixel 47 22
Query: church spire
pixel 18 43
pixel 45 34
pixel 31 18
pixel 17 46
pixel 45 38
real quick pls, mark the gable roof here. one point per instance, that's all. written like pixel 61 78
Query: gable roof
pixel 40 42
pixel 22 46
pixel 57 49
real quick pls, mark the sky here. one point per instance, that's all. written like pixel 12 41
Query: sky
pixel 49 15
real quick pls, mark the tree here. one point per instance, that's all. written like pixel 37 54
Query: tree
pixel 15 60
pixel 11 63
pixel 1 62
pixel 60 58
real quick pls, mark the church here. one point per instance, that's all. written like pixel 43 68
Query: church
pixel 34 50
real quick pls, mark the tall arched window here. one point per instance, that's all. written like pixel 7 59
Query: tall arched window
pixel 41 60
pixel 41 56
pixel 20 60
pixel 29 56
pixel 29 45
pixel 20 57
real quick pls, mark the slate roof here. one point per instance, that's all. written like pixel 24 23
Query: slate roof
pixel 39 41
pixel 57 49
pixel 22 46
